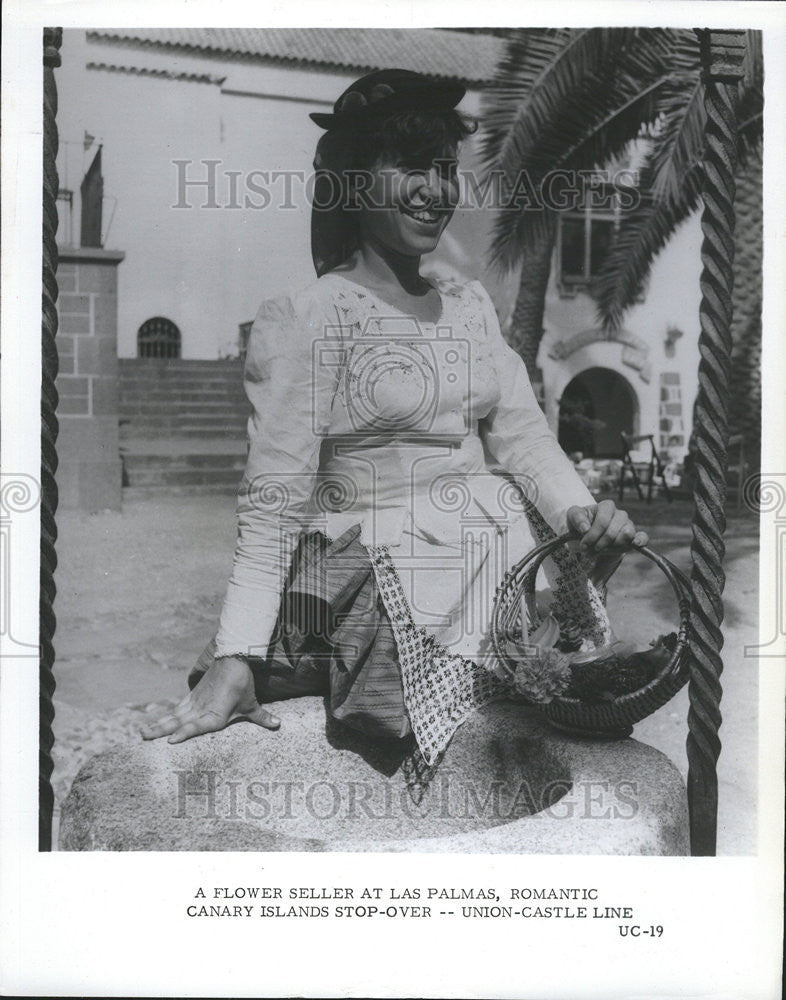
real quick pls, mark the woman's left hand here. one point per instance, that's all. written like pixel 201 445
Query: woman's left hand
pixel 603 525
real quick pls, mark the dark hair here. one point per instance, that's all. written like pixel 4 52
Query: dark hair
pixel 414 137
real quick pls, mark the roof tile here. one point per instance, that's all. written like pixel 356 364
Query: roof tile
pixel 471 58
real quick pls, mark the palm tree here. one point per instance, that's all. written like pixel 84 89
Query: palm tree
pixel 575 99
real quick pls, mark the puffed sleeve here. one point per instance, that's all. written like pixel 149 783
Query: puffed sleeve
pixel 290 378
pixel 518 437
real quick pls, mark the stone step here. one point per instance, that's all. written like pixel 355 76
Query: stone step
pixel 182 425
pixel 163 371
pixel 139 463
pixel 164 477
pixel 175 490
pixel 193 380
pixel 230 419
pixel 153 433
pixel 138 387
pixel 200 397
pixel 210 405
pixel 178 413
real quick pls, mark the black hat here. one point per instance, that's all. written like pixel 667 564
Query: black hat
pixel 390 90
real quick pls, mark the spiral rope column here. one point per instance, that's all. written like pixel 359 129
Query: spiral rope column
pixel 49 428
pixel 722 56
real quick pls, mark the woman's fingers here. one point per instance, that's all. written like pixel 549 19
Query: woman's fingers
pixel 162 727
pixel 188 721
pixel 616 531
pixel 196 725
pixel 225 693
pixel 603 515
pixel 261 717
pixel 578 519
pixel 609 526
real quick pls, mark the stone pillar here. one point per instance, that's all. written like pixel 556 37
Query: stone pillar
pixel 89 473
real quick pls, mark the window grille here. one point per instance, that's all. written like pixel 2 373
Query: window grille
pixel 158 338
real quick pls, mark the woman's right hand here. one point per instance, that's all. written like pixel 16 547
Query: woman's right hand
pixel 224 693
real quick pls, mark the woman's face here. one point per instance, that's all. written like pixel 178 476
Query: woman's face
pixel 405 207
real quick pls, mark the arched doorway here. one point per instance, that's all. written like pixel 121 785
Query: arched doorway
pixel 594 408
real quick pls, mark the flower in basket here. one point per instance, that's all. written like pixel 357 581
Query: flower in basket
pixel 543 676
pixel 616 670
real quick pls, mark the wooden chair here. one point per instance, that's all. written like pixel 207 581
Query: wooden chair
pixel 631 467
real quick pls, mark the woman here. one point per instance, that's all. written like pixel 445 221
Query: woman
pixel 383 403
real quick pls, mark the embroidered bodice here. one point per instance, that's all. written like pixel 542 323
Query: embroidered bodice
pixel 362 414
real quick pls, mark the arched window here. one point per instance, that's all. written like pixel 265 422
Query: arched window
pixel 158 338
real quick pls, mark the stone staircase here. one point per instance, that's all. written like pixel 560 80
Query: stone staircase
pixel 182 425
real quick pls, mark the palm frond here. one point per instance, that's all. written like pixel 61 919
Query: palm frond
pixel 518 227
pixel 642 234
pixel 601 86
pixel 573 99
pixel 545 71
pixel 680 136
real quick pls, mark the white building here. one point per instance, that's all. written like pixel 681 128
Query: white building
pixel 201 131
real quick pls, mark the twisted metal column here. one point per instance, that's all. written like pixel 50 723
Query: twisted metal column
pixel 722 55
pixel 49 429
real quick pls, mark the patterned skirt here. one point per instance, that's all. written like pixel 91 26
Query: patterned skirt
pixel 345 631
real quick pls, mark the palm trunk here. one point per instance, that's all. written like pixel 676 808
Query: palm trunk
pixel 526 328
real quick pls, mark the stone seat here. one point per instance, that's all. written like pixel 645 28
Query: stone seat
pixel 507 784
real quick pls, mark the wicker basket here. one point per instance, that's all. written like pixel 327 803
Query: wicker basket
pixel 610 719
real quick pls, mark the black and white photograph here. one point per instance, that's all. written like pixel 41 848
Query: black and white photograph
pixel 407 495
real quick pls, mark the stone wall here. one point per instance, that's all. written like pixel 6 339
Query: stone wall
pixel 89 469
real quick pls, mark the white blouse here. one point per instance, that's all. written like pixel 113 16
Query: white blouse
pixel 363 415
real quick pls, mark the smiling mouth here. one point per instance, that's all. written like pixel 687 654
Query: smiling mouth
pixel 430 216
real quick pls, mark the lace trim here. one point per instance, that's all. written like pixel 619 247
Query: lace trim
pixel 441 689
pixel 575 596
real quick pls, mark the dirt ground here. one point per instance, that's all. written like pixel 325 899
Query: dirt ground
pixel 139 593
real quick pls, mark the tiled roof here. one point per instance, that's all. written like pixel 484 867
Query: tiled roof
pixel 469 57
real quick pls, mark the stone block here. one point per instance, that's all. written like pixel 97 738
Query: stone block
pixel 73 304
pixel 507 784
pixel 65 363
pixel 74 406
pixel 66 277
pixel 66 344
pixel 97 356
pixel 72 386
pixel 74 323
pixel 106 395
pixel 105 315
pixel 95 277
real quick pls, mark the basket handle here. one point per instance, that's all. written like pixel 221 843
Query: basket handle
pixel 679 582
